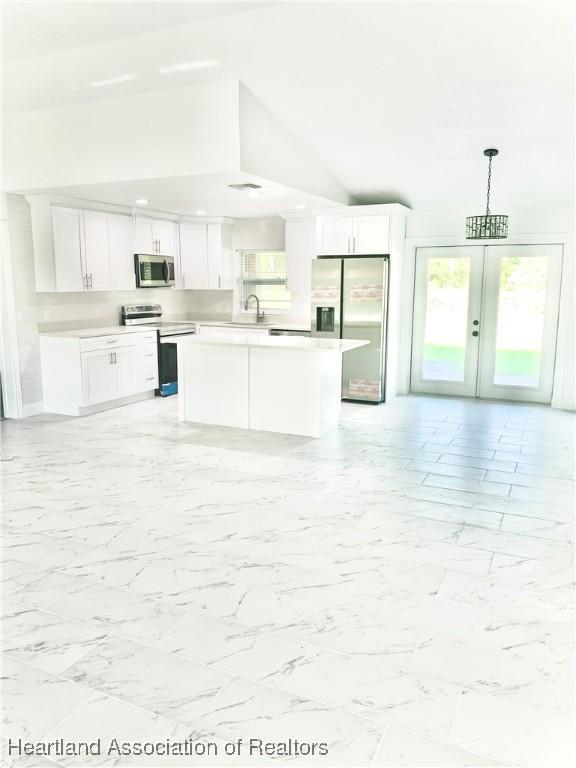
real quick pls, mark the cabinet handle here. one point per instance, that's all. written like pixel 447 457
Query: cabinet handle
pixel 85 281
pixel 91 281
pixel 353 245
pixel 152 378
pixel 219 282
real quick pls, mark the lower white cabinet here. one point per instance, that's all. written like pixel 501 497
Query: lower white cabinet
pixel 79 374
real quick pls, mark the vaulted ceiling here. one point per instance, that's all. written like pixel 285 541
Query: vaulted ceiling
pixel 397 99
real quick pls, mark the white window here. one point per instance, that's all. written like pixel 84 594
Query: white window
pixel 263 273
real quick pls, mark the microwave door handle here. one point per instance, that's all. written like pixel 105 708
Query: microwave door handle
pixel 166 271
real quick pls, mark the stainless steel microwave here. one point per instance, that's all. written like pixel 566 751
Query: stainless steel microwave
pixel 153 271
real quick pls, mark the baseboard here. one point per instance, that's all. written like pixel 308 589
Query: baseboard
pixel 32 409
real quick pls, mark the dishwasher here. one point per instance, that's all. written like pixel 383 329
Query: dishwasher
pixel 288 332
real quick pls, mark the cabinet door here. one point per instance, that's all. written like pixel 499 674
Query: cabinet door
pixel 68 242
pixel 164 233
pixel 336 235
pixel 97 251
pixel 215 257
pixel 122 272
pixel 193 256
pixel 147 366
pixel 126 369
pixel 98 377
pixel 144 235
pixel 371 235
pixel 300 250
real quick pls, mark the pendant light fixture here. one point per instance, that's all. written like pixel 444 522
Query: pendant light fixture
pixel 489 225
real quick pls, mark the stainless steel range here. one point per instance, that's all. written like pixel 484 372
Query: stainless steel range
pixel 150 316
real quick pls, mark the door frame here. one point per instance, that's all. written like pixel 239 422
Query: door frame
pixel 563 395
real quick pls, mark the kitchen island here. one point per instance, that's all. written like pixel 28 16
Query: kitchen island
pixel 288 384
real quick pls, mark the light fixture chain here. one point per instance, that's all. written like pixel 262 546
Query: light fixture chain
pixel 488 190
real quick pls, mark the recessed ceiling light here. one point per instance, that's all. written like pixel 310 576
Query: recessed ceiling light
pixel 254 193
pixel 142 201
pixel 301 207
pixel 187 66
pixel 200 213
pixel 113 81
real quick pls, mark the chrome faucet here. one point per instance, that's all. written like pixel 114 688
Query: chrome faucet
pixel 259 315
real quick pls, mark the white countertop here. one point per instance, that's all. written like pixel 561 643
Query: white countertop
pixel 88 333
pixel 283 342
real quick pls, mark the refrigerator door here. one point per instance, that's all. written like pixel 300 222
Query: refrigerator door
pixel 326 295
pixel 365 291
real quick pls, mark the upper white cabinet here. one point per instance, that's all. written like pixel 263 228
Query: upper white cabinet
pixel 193 272
pixel 220 268
pixel 96 251
pixel 59 249
pixel 155 236
pixel 354 235
pixel 122 273
pixel 205 256
pixel 371 235
pixel 336 235
pixel 300 251
pixel 82 250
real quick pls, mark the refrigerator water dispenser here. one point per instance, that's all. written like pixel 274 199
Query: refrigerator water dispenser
pixel 325 319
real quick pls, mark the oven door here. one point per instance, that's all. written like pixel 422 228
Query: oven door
pixel 154 271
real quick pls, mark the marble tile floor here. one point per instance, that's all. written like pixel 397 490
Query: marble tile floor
pixel 400 589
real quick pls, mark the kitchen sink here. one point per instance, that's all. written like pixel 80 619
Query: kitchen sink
pixel 248 324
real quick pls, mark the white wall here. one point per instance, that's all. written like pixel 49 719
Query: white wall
pixel 268 150
pixel 265 233
pixel 37 312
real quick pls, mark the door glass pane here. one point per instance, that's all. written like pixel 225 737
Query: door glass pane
pixel 445 332
pixel 520 328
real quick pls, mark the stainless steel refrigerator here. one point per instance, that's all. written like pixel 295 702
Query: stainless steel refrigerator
pixel 350 301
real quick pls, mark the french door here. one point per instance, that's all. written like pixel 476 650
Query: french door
pixel 485 321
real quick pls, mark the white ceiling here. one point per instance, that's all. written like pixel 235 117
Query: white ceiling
pixel 43 27
pixel 398 99
pixel 185 195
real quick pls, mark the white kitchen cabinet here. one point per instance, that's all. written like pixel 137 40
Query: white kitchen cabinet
pixel 82 374
pixel 155 236
pixel 206 256
pixel 96 251
pixel 122 272
pixel 193 272
pixel 336 235
pixel 300 251
pixel 81 250
pixel 371 235
pixel 62 233
pixel 98 377
pixel 354 235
